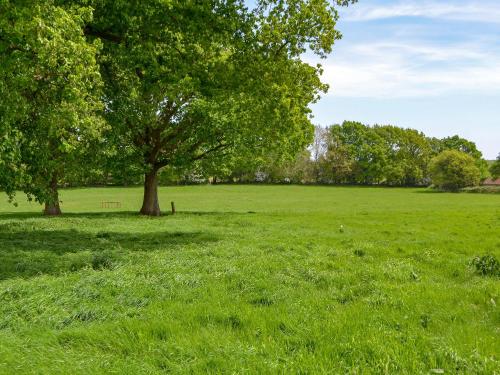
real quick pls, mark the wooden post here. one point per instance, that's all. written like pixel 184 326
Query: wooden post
pixel 173 207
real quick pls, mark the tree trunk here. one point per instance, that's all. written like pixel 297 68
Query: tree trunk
pixel 150 206
pixel 52 207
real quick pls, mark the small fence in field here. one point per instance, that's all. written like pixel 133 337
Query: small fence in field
pixel 111 204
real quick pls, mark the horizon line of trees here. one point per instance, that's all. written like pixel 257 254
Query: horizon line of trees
pixel 350 153
pixel 357 154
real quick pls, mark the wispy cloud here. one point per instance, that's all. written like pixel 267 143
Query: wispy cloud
pixel 396 69
pixel 476 11
pixel 414 59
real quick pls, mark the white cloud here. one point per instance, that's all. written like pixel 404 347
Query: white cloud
pixel 476 11
pixel 397 69
pixel 407 59
pixel 398 50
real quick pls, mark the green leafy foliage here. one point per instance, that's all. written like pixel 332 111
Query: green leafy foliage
pixel 354 153
pixel 495 168
pixel 452 170
pixel 49 84
pixel 188 85
pixel 468 147
pixel 189 81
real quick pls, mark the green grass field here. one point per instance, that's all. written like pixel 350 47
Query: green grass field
pixel 251 279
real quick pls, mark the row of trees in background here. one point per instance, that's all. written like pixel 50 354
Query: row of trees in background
pixel 350 153
pixel 354 153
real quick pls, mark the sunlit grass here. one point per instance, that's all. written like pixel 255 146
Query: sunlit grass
pixel 251 279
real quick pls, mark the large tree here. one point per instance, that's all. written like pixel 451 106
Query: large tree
pixel 468 147
pixel 49 85
pixel 188 80
pixel 408 154
pixel 357 153
pixel 453 170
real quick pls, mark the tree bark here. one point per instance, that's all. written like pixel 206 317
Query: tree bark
pixel 52 207
pixel 150 206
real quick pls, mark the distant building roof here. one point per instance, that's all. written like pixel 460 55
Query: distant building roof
pixel 490 181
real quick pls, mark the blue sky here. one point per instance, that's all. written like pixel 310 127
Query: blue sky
pixel 432 65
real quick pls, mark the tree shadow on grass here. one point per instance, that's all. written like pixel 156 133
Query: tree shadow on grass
pixel 8 216
pixel 82 215
pixel 26 252
pixel 436 191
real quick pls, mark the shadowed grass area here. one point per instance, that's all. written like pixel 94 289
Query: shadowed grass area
pixel 251 279
pixel 29 252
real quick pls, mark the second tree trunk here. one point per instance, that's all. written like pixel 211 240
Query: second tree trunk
pixel 52 207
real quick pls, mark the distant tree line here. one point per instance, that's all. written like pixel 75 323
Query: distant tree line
pixel 357 154
pixel 350 153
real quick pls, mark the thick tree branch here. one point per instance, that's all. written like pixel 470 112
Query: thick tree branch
pixel 220 146
pixel 9 46
pixel 90 31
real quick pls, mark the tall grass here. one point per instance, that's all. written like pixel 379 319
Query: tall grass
pixel 251 279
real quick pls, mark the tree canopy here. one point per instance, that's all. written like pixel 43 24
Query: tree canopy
pixel 355 153
pixel 453 169
pixel 185 81
pixel 359 154
pixel 176 81
pixel 49 84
